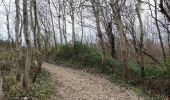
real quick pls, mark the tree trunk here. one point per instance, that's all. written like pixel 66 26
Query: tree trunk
pixel 32 21
pixel 28 44
pixel 64 22
pixel 73 26
pixel 123 45
pixel 59 22
pixel 123 38
pixel 38 42
pixel 169 43
pixel 159 33
pixel 111 39
pixel 95 5
pixel 141 45
pixel 54 35
pixel 46 40
pixel 18 78
pixel 82 28
pixel 7 9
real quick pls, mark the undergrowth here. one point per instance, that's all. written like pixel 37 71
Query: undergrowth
pixel 40 90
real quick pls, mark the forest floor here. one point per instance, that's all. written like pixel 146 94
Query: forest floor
pixel 79 85
pixel 1 92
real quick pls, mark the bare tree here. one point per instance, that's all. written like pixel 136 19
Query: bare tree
pixel 52 20
pixel 81 18
pixel 96 9
pixel 59 21
pixel 72 15
pixel 64 21
pixel 8 11
pixel 38 44
pixel 108 26
pixel 43 21
pixel 157 21
pixel 28 44
pixel 159 32
pixel 116 8
pixel 17 38
pixel 141 44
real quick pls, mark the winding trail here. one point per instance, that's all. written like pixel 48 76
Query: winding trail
pixel 78 85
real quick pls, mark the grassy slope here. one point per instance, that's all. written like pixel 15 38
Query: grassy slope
pixel 155 84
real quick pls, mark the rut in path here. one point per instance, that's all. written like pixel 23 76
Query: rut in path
pixel 78 85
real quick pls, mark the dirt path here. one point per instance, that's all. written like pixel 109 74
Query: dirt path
pixel 78 85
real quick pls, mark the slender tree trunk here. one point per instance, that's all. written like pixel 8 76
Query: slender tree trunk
pixel 54 35
pixel 28 44
pixel 32 21
pixel 8 28
pixel 60 31
pixel 111 39
pixel 169 42
pixel 59 22
pixel 123 38
pixel 82 28
pixel 73 26
pixel 141 45
pixel 38 42
pixel 47 44
pixel 18 78
pixel 7 9
pixel 65 29
pixel 168 38
pixel 64 22
pixel 20 31
pixel 123 45
pixel 159 32
pixel 95 5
